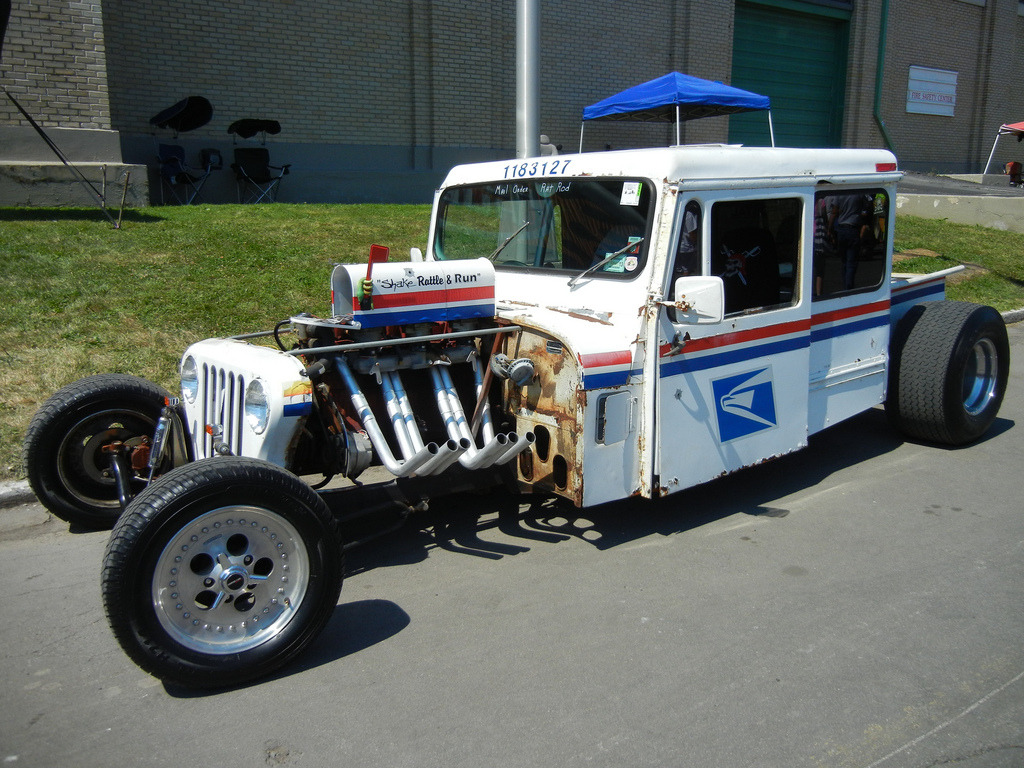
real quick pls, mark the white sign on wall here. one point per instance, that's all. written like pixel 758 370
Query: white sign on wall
pixel 931 91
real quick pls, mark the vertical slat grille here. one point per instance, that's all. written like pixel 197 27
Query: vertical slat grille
pixel 223 405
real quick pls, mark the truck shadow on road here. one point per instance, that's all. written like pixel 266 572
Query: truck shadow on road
pixel 470 524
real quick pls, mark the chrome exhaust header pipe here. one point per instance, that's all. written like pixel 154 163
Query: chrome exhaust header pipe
pixel 517 444
pixel 403 468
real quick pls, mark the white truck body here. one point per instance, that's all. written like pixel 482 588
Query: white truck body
pixel 637 393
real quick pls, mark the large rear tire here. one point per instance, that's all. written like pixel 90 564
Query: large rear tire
pixel 64 449
pixel 221 572
pixel 949 364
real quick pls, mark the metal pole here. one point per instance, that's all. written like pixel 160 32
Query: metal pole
pixel 527 78
pixel 990 154
pixel 97 195
pixel 883 34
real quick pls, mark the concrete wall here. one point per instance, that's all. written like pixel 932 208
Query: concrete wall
pixel 55 185
pixel 1005 213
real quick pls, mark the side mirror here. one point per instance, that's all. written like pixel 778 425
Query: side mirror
pixel 415 254
pixel 698 300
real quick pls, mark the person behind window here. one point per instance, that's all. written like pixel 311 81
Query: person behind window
pixel 824 240
pixel 879 217
pixel 688 254
pixel 849 221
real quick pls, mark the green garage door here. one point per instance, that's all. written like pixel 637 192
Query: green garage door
pixel 798 59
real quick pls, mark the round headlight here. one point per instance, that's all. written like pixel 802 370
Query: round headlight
pixel 257 409
pixel 189 379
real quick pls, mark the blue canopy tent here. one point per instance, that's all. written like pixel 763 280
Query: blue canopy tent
pixel 677 97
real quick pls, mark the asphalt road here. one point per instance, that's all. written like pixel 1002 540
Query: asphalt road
pixel 858 604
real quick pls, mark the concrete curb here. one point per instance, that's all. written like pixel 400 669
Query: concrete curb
pixel 15 492
pixel 1013 316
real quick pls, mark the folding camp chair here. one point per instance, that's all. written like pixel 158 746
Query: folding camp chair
pixel 183 183
pixel 255 177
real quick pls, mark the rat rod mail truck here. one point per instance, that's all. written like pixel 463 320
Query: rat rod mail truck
pixel 592 326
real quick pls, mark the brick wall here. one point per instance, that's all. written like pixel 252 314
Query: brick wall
pixel 54 63
pixel 1006 98
pixel 860 129
pixel 414 73
pixel 981 43
pixel 410 86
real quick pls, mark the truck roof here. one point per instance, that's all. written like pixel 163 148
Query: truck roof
pixel 693 163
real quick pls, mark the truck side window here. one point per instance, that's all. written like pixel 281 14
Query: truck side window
pixel 849 240
pixel 688 254
pixel 755 248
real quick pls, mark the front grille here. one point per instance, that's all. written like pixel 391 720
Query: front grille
pixel 222 404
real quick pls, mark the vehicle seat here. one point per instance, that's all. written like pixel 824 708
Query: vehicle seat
pixel 747 261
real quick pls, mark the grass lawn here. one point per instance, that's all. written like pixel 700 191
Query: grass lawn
pixel 78 297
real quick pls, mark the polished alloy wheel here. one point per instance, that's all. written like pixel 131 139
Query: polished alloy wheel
pixel 230 580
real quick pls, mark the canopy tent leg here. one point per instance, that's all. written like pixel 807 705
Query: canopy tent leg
pixel 990 154
pixel 99 195
pixel 771 128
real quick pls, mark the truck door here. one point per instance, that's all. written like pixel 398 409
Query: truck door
pixel 850 323
pixel 733 393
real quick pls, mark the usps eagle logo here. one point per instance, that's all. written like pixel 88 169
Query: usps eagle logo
pixel 745 404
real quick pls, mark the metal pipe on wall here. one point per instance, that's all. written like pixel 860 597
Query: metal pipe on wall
pixel 883 36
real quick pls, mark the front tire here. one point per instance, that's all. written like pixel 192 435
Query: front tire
pixel 64 449
pixel 949 364
pixel 221 572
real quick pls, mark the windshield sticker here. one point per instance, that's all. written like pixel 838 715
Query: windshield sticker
pixel 631 193
pixel 546 189
pixel 617 265
pixel 625 262
pixel 635 241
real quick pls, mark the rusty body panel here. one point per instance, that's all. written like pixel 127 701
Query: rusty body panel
pixel 551 407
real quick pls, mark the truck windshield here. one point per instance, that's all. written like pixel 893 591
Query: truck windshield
pixel 566 225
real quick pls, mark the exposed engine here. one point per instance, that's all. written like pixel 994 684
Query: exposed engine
pixel 402 375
